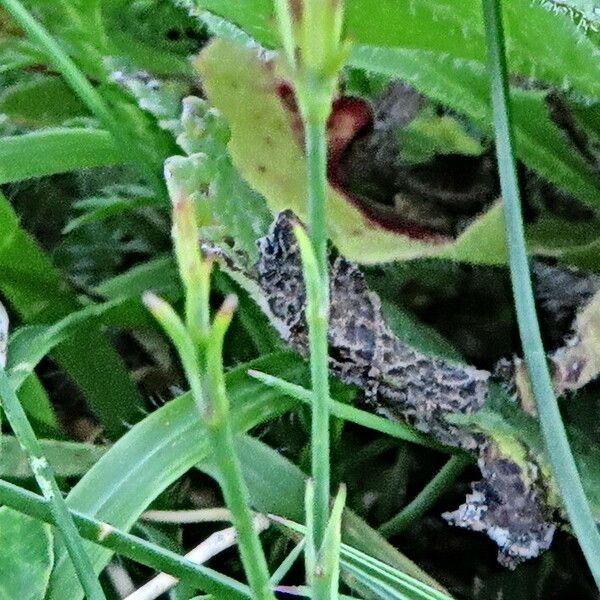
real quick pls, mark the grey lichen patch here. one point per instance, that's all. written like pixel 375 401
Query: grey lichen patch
pixel 435 395
pixel 507 505
pixel 397 379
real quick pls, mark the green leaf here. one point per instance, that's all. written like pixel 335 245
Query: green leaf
pixel 36 291
pixel 243 88
pixel 462 86
pixel 103 207
pixel 254 16
pixel 26 556
pixel 16 54
pixel 573 242
pixel 67 459
pixel 52 151
pixel 39 409
pixel 268 154
pixel 159 275
pixel 417 334
pixel 28 345
pixel 157 38
pixel 430 134
pixel 450 27
pixel 40 102
pixel 584 13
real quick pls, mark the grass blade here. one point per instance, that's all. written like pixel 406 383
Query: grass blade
pixel 44 476
pixel 67 459
pixel 557 444
pixel 428 496
pixel 126 544
pixel 395 429
pixel 52 151
pixel 79 83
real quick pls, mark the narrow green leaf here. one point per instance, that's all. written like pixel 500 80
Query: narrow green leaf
pixel 158 275
pixel 52 151
pixel 44 101
pixel 396 429
pixel 38 407
pixel 28 345
pixel 427 497
pixel 37 292
pixel 555 436
pixel 328 562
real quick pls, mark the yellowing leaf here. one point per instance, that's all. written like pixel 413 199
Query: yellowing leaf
pixel 265 147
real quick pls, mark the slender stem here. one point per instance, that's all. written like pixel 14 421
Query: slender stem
pixel 44 476
pixel 317 312
pixel 557 444
pixel 287 563
pixel 311 33
pixel 316 153
pixel 232 483
pixel 429 495
pixel 125 544
pixel 396 429
pixel 79 83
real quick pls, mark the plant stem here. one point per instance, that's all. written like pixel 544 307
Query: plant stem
pixel 311 34
pixel 427 497
pixel 557 444
pixel 396 429
pixel 287 563
pixel 317 309
pixel 45 478
pixel 125 544
pixel 218 422
pixel 316 153
pixel 79 84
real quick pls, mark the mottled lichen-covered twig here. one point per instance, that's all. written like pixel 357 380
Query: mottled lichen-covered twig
pixel 513 503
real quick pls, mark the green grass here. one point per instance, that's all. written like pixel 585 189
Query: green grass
pixel 555 435
pixel 109 411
